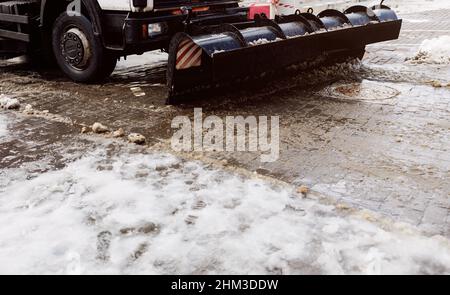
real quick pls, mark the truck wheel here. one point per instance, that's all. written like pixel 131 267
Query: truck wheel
pixel 79 52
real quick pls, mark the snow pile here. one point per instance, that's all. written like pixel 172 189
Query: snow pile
pixel 435 51
pixel 155 214
pixel 9 103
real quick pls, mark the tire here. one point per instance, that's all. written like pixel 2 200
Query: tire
pixel 79 52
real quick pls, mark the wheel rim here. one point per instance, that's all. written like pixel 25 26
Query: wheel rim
pixel 75 49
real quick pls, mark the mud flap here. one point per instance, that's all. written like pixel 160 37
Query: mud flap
pixel 229 53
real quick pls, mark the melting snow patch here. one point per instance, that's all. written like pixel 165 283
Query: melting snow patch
pixel 436 51
pixel 154 214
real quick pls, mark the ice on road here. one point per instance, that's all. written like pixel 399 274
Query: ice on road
pixel 124 212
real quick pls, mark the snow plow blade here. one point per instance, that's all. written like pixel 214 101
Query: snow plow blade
pixel 232 52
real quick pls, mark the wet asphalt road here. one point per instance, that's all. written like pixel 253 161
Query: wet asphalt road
pixel 375 136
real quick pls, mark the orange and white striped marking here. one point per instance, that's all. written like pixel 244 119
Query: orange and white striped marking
pixel 189 55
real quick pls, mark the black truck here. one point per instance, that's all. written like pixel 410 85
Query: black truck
pixel 208 41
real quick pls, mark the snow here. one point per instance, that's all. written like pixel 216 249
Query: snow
pixel 218 51
pixel 262 41
pixel 156 214
pixel 3 126
pixel 150 58
pixel 259 41
pixel 435 51
pixel 8 103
